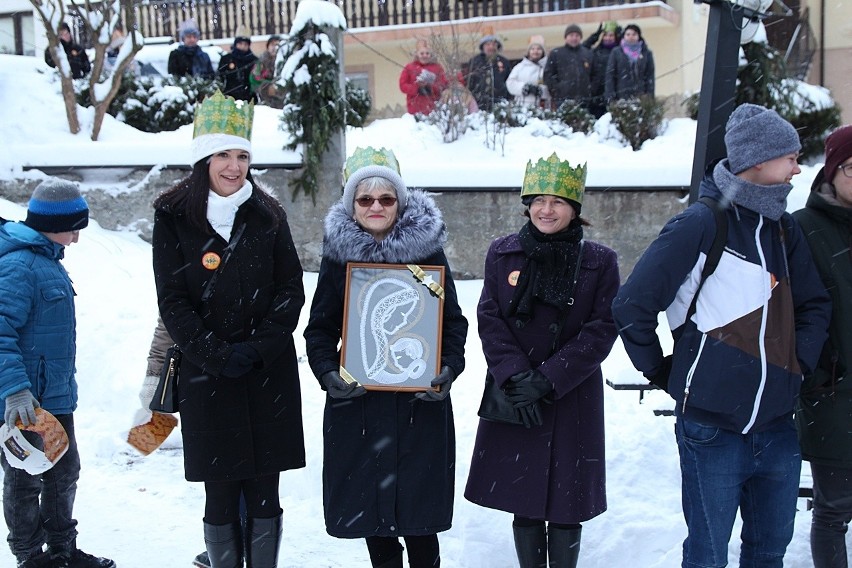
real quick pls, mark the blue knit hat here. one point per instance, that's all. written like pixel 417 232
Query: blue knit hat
pixel 755 134
pixel 57 206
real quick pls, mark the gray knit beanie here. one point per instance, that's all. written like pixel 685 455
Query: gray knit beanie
pixel 573 28
pixel 755 134
pixel 57 206
pixel 374 171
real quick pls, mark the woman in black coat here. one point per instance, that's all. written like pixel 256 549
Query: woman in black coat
pixel 229 286
pixel 389 457
pixel 630 71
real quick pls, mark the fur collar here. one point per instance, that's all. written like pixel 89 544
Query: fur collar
pixel 418 233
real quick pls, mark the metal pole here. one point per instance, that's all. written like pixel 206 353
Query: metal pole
pixel 718 88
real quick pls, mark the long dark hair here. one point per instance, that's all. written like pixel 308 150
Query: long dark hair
pixel 189 196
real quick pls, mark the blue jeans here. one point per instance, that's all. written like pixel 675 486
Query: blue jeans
pixel 831 516
pixel 722 471
pixel 38 508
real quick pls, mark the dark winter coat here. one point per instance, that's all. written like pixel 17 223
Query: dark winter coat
pixel 234 72
pixel 555 471
pixel 626 78
pixel 486 80
pixel 389 458
pixel 77 58
pixel 421 98
pixel 600 61
pixel 187 61
pixel 760 322
pixel 234 428
pixel 568 74
pixel 824 412
pixel 37 320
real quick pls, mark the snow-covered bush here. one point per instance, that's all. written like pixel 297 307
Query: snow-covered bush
pixel 576 116
pixel 358 105
pixel 638 119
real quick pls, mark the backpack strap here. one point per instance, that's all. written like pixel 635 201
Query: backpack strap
pixel 716 249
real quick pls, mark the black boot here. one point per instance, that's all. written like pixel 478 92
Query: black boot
pixel 531 546
pixel 263 540
pixel 563 546
pixel 224 545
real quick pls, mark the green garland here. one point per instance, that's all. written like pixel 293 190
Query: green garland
pixel 313 111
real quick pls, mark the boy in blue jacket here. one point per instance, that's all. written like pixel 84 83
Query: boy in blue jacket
pixel 37 356
pixel 759 324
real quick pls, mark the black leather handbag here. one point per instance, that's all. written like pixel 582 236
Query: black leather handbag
pixel 495 407
pixel 166 396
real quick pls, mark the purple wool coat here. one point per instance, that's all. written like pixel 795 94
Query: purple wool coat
pixel 557 471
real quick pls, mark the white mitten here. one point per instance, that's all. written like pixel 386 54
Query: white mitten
pixel 149 385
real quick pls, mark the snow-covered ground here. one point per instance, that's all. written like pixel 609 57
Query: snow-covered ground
pixel 141 512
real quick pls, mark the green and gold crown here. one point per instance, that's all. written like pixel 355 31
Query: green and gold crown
pixel 369 156
pixel 555 177
pixel 219 114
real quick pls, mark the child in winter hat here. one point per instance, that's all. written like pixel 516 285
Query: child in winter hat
pixel 57 206
pixel 755 134
pixel 838 149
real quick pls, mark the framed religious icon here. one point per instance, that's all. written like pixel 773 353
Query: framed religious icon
pixel 392 320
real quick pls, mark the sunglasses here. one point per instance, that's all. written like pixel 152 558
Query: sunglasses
pixel 366 201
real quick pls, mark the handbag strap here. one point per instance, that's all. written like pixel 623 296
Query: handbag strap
pixel 226 254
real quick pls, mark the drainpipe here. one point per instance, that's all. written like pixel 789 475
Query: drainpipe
pixel 822 43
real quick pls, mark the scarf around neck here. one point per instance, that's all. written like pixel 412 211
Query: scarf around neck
pixel 632 50
pixel 767 200
pixel 222 210
pixel 548 269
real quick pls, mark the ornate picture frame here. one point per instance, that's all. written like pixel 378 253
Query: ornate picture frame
pixel 392 326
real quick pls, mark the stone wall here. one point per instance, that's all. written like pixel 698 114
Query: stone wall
pixel 626 221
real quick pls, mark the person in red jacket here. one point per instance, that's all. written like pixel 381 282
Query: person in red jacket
pixel 422 81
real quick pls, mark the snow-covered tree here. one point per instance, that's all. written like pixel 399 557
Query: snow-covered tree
pixel 100 20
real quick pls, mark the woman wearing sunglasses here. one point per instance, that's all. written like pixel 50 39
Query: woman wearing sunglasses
pixel 388 456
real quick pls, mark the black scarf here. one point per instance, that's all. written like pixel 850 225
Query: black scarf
pixel 548 270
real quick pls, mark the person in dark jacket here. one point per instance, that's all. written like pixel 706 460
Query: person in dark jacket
pixel 77 58
pixel 630 71
pixel 487 73
pixel 262 77
pixel 609 34
pixel 389 456
pixel 235 69
pixel 229 288
pixel 568 73
pixel 546 327
pixel 188 59
pixel 824 412
pixel 37 371
pixel 758 325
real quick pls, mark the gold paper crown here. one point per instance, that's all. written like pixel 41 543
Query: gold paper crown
pixel 555 177
pixel 369 156
pixel 219 114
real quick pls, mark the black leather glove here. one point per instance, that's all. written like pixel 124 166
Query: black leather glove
pixel 531 415
pixel 526 388
pixel 442 382
pixel 425 90
pixel 243 358
pixel 661 377
pixel 593 39
pixel 336 387
pixel 530 89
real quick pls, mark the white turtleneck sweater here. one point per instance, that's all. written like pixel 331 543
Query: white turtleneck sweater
pixel 222 210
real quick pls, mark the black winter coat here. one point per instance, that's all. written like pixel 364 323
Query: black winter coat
pixel 824 410
pixel 486 80
pixel 568 74
pixel 625 79
pixel 234 428
pixel 389 458
pixel 77 59
pixel 234 71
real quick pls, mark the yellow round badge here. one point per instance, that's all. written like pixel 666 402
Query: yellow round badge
pixel 210 261
pixel 513 277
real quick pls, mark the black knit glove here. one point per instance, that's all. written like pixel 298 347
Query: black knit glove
pixel 338 388
pixel 593 39
pixel 530 89
pixel 243 358
pixel 661 377
pixel 425 90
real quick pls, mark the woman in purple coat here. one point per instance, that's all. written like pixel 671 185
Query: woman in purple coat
pixel 546 327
